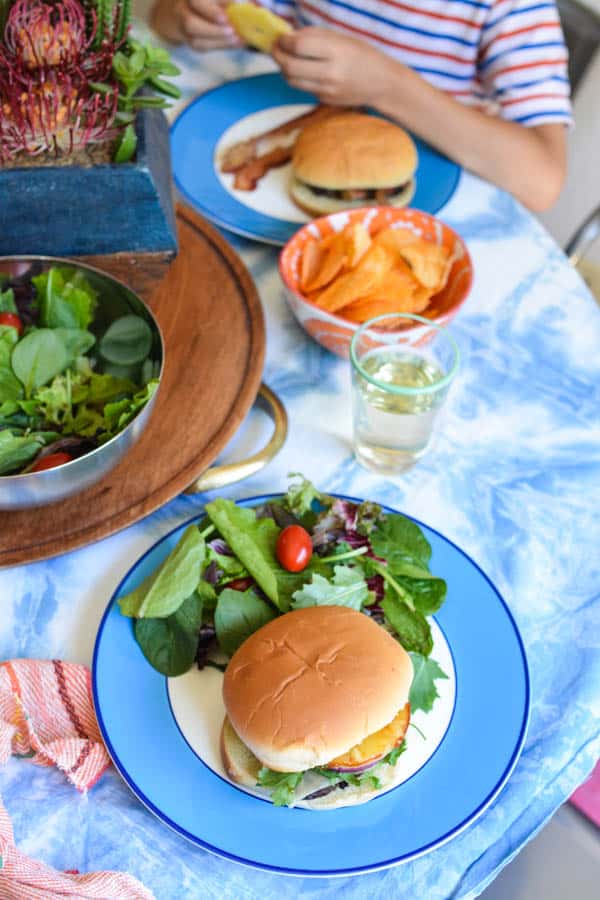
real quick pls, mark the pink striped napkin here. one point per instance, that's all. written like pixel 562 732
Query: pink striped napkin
pixel 46 713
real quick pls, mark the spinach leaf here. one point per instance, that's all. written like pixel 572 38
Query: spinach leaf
pixel 428 594
pixel 423 691
pixel 163 592
pixel 10 386
pixel 38 357
pixel 127 341
pixel 65 298
pixel 411 627
pixel 283 785
pixel 17 451
pixel 252 540
pixel 7 301
pixel 238 615
pixel 347 588
pixel 76 341
pixel 400 540
pixel 170 644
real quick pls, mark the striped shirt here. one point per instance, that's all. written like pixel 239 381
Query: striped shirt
pixel 505 56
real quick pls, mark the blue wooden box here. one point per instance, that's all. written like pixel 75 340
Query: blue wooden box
pixel 96 210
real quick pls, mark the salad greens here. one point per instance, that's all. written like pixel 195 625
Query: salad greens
pixel 66 377
pixel 236 618
pixel 347 588
pixel 283 785
pixel 170 643
pixel 163 592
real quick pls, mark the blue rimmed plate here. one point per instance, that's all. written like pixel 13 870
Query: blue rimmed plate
pixel 162 735
pixel 241 109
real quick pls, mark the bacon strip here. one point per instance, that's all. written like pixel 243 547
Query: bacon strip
pixel 249 175
pixel 241 157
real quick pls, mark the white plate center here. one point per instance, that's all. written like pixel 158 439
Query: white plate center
pixel 271 195
pixel 197 706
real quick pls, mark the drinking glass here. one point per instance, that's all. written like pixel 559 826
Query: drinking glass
pixel 401 374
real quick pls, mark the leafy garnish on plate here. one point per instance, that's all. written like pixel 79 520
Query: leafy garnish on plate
pixel 346 588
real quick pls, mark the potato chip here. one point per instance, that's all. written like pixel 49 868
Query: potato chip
pixel 257 26
pixel 310 263
pixel 333 262
pixel 358 241
pixel 364 308
pixel 357 282
pixel 394 239
pixel 430 262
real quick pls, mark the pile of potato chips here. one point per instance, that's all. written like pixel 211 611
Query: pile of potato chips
pixel 359 276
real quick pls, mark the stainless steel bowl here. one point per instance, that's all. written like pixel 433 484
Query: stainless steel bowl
pixel 51 485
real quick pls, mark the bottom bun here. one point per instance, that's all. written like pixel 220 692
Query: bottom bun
pixel 242 767
pixel 322 205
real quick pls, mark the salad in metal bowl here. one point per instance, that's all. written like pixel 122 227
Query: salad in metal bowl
pixel 77 364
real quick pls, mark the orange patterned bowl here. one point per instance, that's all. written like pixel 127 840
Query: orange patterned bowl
pixel 334 332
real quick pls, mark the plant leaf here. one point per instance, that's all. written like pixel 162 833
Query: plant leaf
pixel 177 577
pixel 252 540
pixel 423 691
pixel 411 627
pixel 238 615
pixel 127 144
pixel 126 341
pixel 347 588
pixel 17 451
pixel 300 495
pixel 399 540
pixel 170 644
pixel 282 784
pixel 428 594
pixel 38 357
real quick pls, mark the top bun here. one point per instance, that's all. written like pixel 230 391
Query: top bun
pixel 354 151
pixel 312 684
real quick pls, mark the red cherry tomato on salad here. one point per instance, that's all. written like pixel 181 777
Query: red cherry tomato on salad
pixel 12 319
pixel 240 584
pixel 51 461
pixel 294 548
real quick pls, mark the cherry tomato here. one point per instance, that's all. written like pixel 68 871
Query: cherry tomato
pixel 240 584
pixel 51 461
pixel 12 319
pixel 294 548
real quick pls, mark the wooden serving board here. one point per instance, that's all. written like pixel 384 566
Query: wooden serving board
pixel 213 328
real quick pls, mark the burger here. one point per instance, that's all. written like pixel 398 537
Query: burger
pixel 351 160
pixel 317 709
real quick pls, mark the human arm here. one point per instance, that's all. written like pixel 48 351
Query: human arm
pixel 343 70
pixel 200 23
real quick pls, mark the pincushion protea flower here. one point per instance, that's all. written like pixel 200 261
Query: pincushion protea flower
pixel 56 116
pixel 40 34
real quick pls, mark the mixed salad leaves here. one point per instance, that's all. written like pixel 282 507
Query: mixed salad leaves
pixel 228 576
pixel 69 380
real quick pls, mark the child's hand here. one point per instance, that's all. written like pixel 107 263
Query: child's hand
pixel 338 69
pixel 200 23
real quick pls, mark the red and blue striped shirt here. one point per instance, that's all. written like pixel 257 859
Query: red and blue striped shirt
pixel 506 56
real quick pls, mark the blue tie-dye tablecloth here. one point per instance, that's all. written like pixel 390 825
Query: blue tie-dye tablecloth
pixel 513 479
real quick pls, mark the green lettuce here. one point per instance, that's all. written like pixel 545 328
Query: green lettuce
pixel 65 298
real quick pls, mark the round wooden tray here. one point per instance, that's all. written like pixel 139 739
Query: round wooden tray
pixel 212 324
